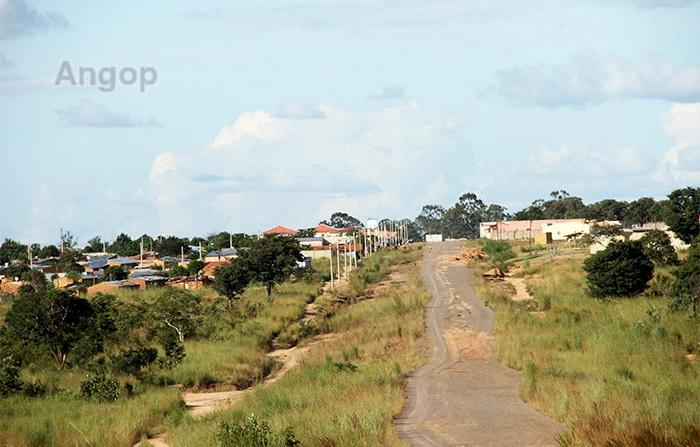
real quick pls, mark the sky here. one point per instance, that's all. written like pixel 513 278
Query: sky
pixel 187 118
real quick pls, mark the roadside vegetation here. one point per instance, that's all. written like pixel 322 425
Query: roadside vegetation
pixel 120 387
pixel 619 369
pixel 349 387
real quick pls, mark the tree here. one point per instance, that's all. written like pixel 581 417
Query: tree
pixel 12 250
pixel 608 209
pixel 194 267
pixel 68 262
pixel 68 241
pixel 495 213
pixel 685 287
pixel 123 245
pixel 430 219
pixel 639 212
pixel 657 246
pixel 115 273
pixel 94 245
pixel 622 269
pixel 342 220
pixel 272 259
pixel 532 212
pixel 178 309
pixel 36 279
pixel 600 233
pixel 232 278
pixel 682 214
pixel 172 246
pixel 462 220
pixel 55 320
pixel 49 251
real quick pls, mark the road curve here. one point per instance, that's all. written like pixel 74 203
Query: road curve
pixel 464 397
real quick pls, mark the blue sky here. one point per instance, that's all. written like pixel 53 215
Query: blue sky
pixel 282 112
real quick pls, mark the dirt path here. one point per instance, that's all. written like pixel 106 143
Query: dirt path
pixel 200 404
pixel 464 397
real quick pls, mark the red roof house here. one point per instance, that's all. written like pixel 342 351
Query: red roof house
pixel 279 229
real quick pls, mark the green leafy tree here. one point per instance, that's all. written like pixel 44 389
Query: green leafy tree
pixel 462 219
pixel 641 211
pixel 608 209
pixel 306 232
pixel 532 212
pixel 622 269
pixel 94 245
pixel 195 266
pixel 178 310
pixel 495 213
pixel 172 246
pixel 16 270
pixel 54 320
pixel 177 270
pixel 232 278
pixel 123 245
pixel 685 288
pixel 49 251
pixel 272 259
pixel 36 279
pixel 12 250
pixel 682 213
pixel 342 220
pixel 563 206
pixel 115 273
pixel 430 220
pixel 68 241
pixel 600 233
pixel 657 246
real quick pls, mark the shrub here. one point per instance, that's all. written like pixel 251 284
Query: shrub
pixel 99 389
pixel 132 361
pixel 254 434
pixel 10 381
pixel 498 251
pixel 622 269
pixel 657 246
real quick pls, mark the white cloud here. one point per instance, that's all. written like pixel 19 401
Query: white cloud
pixel 390 92
pixel 18 19
pixel 590 78
pixel 47 213
pixel 681 162
pixel 262 171
pixel 298 110
pixel 89 114
pixel 579 162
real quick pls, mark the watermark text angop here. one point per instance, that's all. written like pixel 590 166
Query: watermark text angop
pixel 106 78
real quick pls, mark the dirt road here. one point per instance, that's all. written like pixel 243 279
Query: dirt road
pixel 464 397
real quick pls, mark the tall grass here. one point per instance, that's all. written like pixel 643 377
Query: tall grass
pixel 347 390
pixel 616 372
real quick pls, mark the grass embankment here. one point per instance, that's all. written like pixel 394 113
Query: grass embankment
pixel 229 350
pixel 348 389
pixel 619 372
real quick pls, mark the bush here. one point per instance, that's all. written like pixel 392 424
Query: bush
pixel 622 269
pixel 132 361
pixel 498 251
pixel 254 434
pixel 99 389
pixel 657 246
pixel 10 381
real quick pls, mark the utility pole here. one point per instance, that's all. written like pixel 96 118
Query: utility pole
pixel 354 249
pixel 330 258
pixel 230 240
pixel 345 260
pixel 200 250
pixel 338 261
pixel 182 255
pixel 141 253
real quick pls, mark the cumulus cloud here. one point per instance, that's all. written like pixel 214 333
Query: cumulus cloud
pixel 681 162
pixel 590 78
pixel 298 110
pixel 89 114
pixel 390 92
pixel 263 171
pixel 664 3
pixel 579 161
pixel 18 19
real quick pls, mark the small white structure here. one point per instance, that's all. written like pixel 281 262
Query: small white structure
pixel 433 238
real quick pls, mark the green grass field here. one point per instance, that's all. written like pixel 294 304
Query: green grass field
pixel 619 372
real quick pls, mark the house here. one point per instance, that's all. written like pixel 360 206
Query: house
pixel 96 265
pixel 148 281
pixel 223 254
pixel 314 247
pixel 190 282
pixel 279 229
pixel 61 281
pixel 123 262
pixel 208 269
pixel 323 230
pixel 113 286
pixel 11 287
pixel 520 229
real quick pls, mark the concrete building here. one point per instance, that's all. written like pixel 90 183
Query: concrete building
pixel 113 286
pixel 222 255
